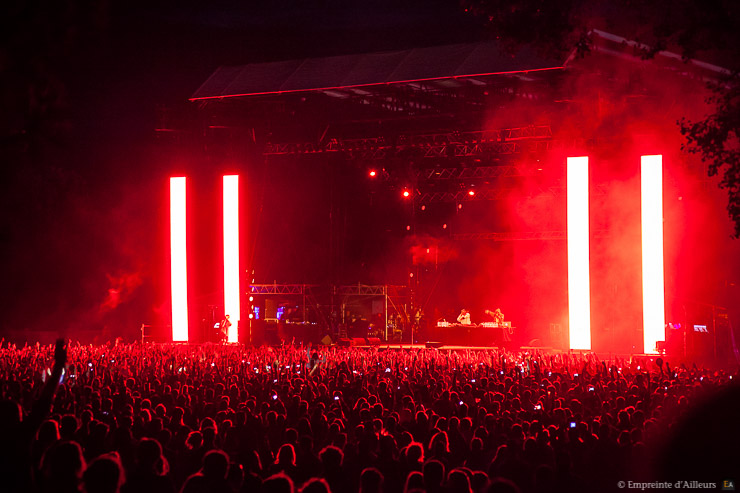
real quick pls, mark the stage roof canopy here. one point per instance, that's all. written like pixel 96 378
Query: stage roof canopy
pixel 417 64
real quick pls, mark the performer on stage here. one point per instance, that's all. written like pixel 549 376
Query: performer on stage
pixel 498 316
pixel 504 336
pixel 224 329
pixel 464 317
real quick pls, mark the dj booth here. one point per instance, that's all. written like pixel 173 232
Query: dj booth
pixel 485 334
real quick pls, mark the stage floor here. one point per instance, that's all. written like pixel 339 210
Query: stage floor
pixel 452 347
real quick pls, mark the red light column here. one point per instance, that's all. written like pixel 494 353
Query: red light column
pixel 231 254
pixel 178 259
pixel 653 289
pixel 579 296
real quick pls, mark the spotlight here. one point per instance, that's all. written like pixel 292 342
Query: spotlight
pixel 406 193
pixel 471 193
pixel 251 298
pixel 372 173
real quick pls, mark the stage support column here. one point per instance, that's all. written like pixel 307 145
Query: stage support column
pixel 231 255
pixel 579 296
pixel 178 259
pixel 653 290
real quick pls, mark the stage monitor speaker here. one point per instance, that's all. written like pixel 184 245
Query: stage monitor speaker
pixel 156 333
pixel 373 341
pixel 433 345
pixel 326 340
pixel 344 342
pixel 358 341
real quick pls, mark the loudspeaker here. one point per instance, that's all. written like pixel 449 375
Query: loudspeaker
pixel 433 345
pixel 156 333
pixel 373 341
pixel 326 340
pixel 358 341
pixel 344 342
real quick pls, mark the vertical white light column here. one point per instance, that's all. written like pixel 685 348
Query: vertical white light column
pixel 653 290
pixel 231 254
pixel 579 296
pixel 178 259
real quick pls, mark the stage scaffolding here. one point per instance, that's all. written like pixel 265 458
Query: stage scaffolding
pixel 308 292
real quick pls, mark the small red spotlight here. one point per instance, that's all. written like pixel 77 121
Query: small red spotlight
pixel 372 173
pixel 406 193
pixel 471 193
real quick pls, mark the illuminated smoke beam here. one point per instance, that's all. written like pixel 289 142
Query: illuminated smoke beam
pixel 579 296
pixel 231 254
pixel 178 260
pixel 653 289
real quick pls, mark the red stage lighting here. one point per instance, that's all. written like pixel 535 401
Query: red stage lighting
pixel 653 289
pixel 406 193
pixel 372 173
pixel 471 193
pixel 579 296
pixel 178 259
pixel 231 254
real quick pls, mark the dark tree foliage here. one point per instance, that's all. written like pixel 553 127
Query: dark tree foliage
pixel 705 29
pixel 715 138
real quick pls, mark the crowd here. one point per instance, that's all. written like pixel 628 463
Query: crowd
pixel 183 418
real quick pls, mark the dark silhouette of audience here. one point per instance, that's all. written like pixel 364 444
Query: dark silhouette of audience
pixel 230 419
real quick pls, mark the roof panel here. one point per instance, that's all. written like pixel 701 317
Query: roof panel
pixel 438 62
pixel 489 54
pixel 217 82
pixel 320 73
pixel 432 63
pixel 374 68
pixel 259 78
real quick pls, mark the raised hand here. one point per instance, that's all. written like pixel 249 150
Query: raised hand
pixel 60 353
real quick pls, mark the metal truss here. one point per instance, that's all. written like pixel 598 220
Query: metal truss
pixel 463 195
pixel 368 290
pixel 494 193
pixel 534 138
pixel 279 288
pixel 443 174
pixel 345 290
pixel 523 235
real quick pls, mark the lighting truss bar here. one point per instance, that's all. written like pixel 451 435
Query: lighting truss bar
pixel 463 196
pixel 361 290
pixel 522 235
pixel 347 290
pixel 579 296
pixel 178 259
pixel 444 174
pixel 493 193
pixel 653 288
pixel 278 288
pixel 509 140
pixel 231 254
